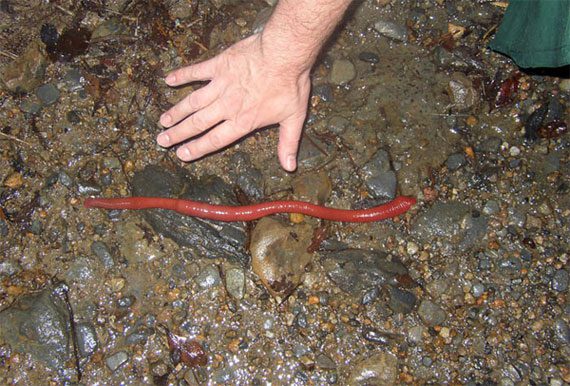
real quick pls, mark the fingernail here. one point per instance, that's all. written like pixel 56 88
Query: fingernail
pixel 163 140
pixel 184 154
pixel 170 78
pixel 165 119
pixel 291 163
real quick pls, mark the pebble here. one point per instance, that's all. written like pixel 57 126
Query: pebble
pixel 342 72
pixel 380 369
pixel 87 342
pixel 337 124
pixel 514 151
pixel 412 248
pixel 401 301
pixel 324 362
pixel 455 161
pixel 87 188
pixel 491 207
pixel 30 107
pixel 375 336
pixel 369 57
pixel 463 94
pixel 116 360
pixel 209 277
pixel 477 290
pixel 101 250
pixel 560 280
pixel 562 331
pixel 65 179
pixel 24 74
pixel 565 85
pixel 7 267
pixel 314 187
pixel 235 282
pixel 379 178
pixel 392 30
pixel 48 94
pixel 431 314
pixel 324 92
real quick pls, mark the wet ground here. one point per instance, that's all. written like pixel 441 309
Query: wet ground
pixel 469 287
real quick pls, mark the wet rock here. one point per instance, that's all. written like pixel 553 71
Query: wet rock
pixel 369 57
pixel 87 342
pixel 357 270
pixel 248 178
pixel 279 254
pixel 432 314
pixel 560 280
pixel 379 178
pixel 39 325
pixel 342 72
pixel 462 92
pixel 338 124
pixel 376 336
pixel 209 277
pixel 324 92
pixel 82 271
pixel 133 246
pixel 101 250
pixel 235 282
pixel 48 94
pixel 380 369
pixel 312 187
pixel 8 267
pixel 3 228
pixel 30 107
pixel 490 145
pixel 392 30
pixel 491 207
pixel 562 331
pixel 116 360
pixel 108 27
pixel 212 239
pixel 451 221
pixel 401 301
pixel 88 188
pixel 25 73
pixel 455 161
pixel 324 362
pixel 311 152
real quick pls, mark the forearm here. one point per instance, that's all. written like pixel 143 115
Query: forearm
pixel 297 30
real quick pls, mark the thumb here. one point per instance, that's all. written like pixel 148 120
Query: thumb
pixel 289 136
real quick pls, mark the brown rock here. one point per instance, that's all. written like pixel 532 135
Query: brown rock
pixel 26 73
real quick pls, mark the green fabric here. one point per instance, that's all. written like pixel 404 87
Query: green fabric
pixel 535 33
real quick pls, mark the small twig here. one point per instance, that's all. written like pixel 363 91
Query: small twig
pixel 201 45
pixel 64 10
pixel 8 54
pixel 15 138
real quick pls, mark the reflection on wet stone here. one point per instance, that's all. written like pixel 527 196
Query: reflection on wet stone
pixel 213 239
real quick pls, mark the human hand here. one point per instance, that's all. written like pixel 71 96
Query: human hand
pixel 247 90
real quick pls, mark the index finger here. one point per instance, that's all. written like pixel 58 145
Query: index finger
pixel 194 72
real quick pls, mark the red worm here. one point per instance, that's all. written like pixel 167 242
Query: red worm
pixel 253 212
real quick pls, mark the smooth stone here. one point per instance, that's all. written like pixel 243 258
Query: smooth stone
pixel 431 314
pixel 369 57
pixel 463 94
pixel 562 331
pixel 338 124
pixel 108 27
pixel 392 30
pixel 342 72
pixel 235 282
pixel 88 188
pixel 87 342
pixel 455 161
pixel 491 207
pixel 116 360
pixel 490 145
pixel 279 254
pixel 3 228
pixel 379 369
pixel 30 107
pixel 324 92
pixel 48 94
pixel 379 178
pixel 209 277
pixel 560 280
pixel 401 301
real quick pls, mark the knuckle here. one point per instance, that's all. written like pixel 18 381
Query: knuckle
pixel 198 122
pixel 216 140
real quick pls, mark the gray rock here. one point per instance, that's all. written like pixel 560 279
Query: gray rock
pixel 379 178
pixel 392 30
pixel 455 161
pixel 310 155
pixel 112 26
pixel 369 57
pixel 401 301
pixel 490 145
pixel 338 124
pixel 88 188
pixel 73 79
pixel 324 92
pixel 101 250
pixel 432 314
pixel 3 228
pixel 342 72
pixel 477 290
pixel 65 179
pixel 8 267
pixel 562 331
pixel 357 270
pixel 235 282
pixel 324 362
pixel 39 325
pixel 452 221
pixel 30 107
pixel 279 254
pixel 212 239
pixel 209 277
pixel 24 74
pixel 560 280
pixel 491 207
pixel 116 360
pixel 87 342
pixel 48 94
pixel 463 94
pixel 380 369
